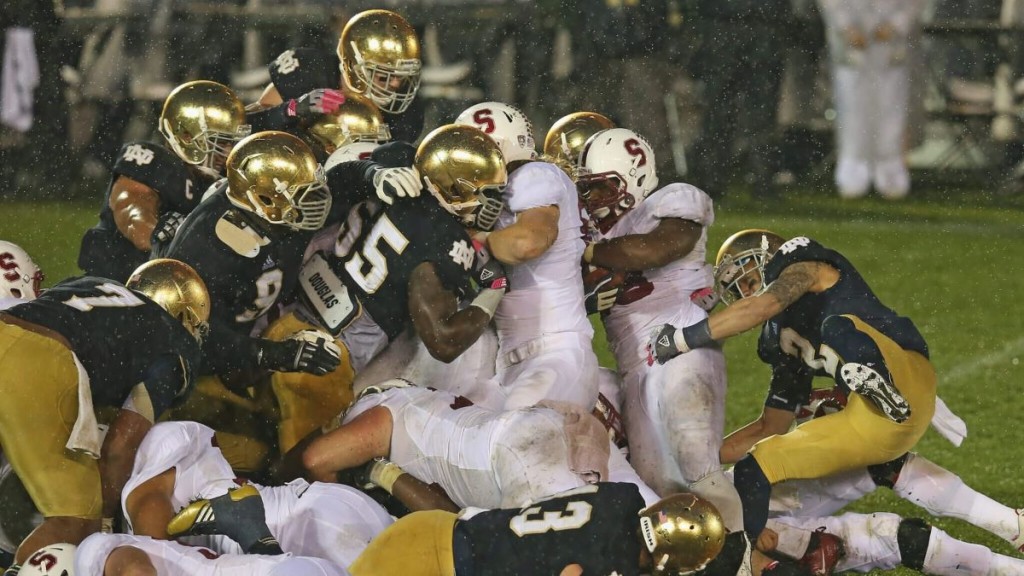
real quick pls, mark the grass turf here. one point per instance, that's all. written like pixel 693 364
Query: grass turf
pixel 951 262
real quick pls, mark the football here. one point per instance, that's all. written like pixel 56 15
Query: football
pixel 594 276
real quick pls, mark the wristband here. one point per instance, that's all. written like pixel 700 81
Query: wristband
pixel 488 300
pixel 385 474
pixel 696 336
pixel 588 252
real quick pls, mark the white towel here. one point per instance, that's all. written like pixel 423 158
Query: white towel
pixel 20 77
pixel 86 436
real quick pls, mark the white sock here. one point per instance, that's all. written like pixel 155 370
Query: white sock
pixel 948 556
pixel 943 493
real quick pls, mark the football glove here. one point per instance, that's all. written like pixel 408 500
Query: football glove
pixel 489 273
pixel 667 342
pixel 598 290
pixel 310 351
pixel 392 182
pixel 166 227
pixel 316 103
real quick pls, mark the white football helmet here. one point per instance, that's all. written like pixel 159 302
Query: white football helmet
pixel 19 275
pixel 52 560
pixel 615 173
pixel 506 124
pixel 349 153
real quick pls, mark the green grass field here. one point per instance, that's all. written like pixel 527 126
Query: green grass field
pixel 952 262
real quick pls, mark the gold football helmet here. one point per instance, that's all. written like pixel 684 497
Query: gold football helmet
pixel 276 176
pixel 201 121
pixel 464 169
pixel 742 255
pixel 176 288
pixel 357 120
pixel 567 136
pixel 380 57
pixel 682 532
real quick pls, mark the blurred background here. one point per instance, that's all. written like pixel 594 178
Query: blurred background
pixel 736 96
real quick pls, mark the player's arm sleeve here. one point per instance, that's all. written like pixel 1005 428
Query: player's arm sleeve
pixel 272 118
pixel 452 263
pixel 537 184
pixel 226 350
pixel 394 154
pixel 408 125
pixel 685 202
pixel 301 70
pixel 350 183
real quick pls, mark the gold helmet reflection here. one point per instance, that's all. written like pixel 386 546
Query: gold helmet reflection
pixel 464 169
pixel 742 254
pixel 380 57
pixel 201 121
pixel 682 532
pixel 357 120
pixel 568 135
pixel 178 289
pixel 276 176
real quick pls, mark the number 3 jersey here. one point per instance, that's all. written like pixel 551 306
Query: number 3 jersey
pixel 378 249
pixel 595 526
pixel 659 295
pixel 790 342
pixel 118 335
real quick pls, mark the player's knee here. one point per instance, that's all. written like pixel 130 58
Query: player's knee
pixel 128 561
pixel 886 473
pixel 912 537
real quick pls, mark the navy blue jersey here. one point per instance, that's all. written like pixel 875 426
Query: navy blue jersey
pixel 248 266
pixel 301 70
pixel 791 341
pixel 596 526
pixel 105 252
pixel 120 337
pixel 378 249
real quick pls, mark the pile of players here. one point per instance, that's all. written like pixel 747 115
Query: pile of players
pixel 294 293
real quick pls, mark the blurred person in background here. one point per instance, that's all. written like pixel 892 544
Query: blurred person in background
pixel 869 46
pixel 740 61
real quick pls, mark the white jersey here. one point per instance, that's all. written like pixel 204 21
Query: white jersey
pixel 546 293
pixel 170 558
pixel 629 325
pixel 482 458
pixel 324 520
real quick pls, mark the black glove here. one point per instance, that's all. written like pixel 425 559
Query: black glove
pixel 314 104
pixel 309 351
pixel 662 346
pixel 489 273
pixel 600 289
pixel 164 231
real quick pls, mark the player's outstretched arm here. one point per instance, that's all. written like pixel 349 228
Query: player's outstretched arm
pixel 534 231
pixel 136 208
pixel 355 443
pixel 671 239
pixel 771 421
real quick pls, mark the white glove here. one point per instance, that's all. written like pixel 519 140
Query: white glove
pixel 391 182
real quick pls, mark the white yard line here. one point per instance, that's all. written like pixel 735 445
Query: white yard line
pixel 1008 353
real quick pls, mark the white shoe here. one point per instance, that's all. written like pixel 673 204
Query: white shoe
pixel 865 381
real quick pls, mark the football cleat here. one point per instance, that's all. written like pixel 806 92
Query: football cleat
pixel 867 382
pixel 239 515
pixel 823 553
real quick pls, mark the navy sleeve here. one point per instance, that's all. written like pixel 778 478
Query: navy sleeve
pixel 152 165
pixel 168 378
pixel 408 125
pixel 298 71
pixel 453 257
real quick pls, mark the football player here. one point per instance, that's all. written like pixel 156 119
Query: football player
pixel 600 528
pixel 674 414
pixel 819 318
pixel 54 369
pixel 20 278
pixel 179 463
pixel 482 458
pixel 545 348
pixel 128 555
pixel 884 541
pixel 356 120
pixel 153 186
pixel 378 56
pixel 410 263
